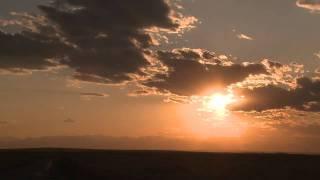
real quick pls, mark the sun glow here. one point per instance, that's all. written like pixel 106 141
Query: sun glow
pixel 218 103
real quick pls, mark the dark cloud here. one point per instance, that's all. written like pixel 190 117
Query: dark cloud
pixel 109 35
pixel 305 97
pixel 28 51
pixel 195 72
pixel 106 39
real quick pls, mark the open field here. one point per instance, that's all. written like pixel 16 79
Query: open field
pixel 64 164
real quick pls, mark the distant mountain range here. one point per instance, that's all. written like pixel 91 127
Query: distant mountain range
pixel 218 144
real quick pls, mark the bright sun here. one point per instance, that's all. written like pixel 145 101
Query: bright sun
pixel 219 102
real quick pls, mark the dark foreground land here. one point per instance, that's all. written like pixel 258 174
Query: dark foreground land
pixel 153 165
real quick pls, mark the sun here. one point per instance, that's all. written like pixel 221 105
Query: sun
pixel 218 103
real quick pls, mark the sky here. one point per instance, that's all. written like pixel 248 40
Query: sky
pixel 241 74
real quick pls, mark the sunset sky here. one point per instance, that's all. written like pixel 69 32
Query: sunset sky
pixel 225 71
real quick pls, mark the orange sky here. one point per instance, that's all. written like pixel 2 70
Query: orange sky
pixel 220 72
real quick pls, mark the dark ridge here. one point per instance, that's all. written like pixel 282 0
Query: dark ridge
pixel 81 164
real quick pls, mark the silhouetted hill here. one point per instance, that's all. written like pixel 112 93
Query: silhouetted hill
pixel 68 164
pixel 218 144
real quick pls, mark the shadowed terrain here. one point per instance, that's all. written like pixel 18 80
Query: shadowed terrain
pixel 63 164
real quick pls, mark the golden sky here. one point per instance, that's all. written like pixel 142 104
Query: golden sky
pixel 223 72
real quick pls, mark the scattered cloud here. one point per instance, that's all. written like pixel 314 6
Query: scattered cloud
pixel 112 42
pixel 312 5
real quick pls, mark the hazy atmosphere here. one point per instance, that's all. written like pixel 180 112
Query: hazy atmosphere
pixel 208 75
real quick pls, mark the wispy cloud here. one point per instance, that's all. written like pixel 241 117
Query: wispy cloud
pixel 69 120
pixel 245 37
pixel 312 5
pixel 89 96
pixel 3 122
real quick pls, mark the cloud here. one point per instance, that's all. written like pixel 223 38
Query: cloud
pixel 102 41
pixel 89 95
pixel 284 75
pixel 313 5
pixel 69 120
pixel 305 97
pixel 28 51
pixel 111 42
pixel 317 54
pixel 197 72
pixel 3 122
pixel 244 37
